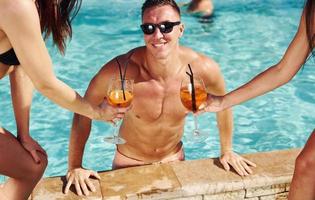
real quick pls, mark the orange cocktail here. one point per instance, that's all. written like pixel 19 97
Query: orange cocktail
pixel 119 95
pixel 193 96
pixel 186 97
pixel 116 98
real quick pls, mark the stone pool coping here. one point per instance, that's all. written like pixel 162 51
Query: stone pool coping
pixel 197 180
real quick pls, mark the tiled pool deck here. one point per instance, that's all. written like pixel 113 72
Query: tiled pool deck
pixel 195 180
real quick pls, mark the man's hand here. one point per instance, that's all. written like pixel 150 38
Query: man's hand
pixel 80 178
pixel 32 147
pixel 240 164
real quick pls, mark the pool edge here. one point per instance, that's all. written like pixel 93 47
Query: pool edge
pixel 198 179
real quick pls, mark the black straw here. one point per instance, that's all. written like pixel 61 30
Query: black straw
pixel 126 64
pixel 193 92
pixel 121 79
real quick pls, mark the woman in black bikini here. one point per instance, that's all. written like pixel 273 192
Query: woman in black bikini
pixel 24 56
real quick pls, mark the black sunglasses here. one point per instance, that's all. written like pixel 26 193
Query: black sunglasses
pixel 164 27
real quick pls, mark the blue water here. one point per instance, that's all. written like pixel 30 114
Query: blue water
pixel 244 37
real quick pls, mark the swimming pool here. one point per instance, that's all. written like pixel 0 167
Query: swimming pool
pixel 244 37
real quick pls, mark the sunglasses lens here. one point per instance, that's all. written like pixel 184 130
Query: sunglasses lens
pixel 166 27
pixel 148 28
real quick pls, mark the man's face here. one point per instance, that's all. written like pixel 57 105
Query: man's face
pixel 159 44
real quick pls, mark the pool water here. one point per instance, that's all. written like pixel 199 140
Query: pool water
pixel 244 37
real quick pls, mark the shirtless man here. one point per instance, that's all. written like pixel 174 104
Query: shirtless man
pixel 153 126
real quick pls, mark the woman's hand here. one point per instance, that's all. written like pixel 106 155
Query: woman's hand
pixel 81 179
pixel 32 147
pixel 213 104
pixel 111 114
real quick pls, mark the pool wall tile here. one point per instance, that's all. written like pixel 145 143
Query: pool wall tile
pixel 188 180
pixel 190 198
pixel 239 195
pixel 52 189
pixel 151 181
pixel 205 177
pixel 281 196
pixel 254 198
pixel 266 190
pixel 287 187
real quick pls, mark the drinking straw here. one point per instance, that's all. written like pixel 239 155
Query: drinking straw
pixel 121 79
pixel 193 93
pixel 126 64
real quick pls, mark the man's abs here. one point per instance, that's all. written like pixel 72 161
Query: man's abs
pixel 150 142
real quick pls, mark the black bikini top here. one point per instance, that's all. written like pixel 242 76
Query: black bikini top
pixel 9 58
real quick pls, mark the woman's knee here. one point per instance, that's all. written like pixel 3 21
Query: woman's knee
pixel 40 167
pixel 36 170
pixel 305 163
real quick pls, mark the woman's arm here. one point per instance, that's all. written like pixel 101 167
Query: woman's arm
pixel 20 22
pixel 22 93
pixel 271 78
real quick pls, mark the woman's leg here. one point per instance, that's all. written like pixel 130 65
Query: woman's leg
pixel 303 182
pixel 22 94
pixel 18 165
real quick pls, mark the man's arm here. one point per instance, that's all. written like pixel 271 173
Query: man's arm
pixel 214 82
pixel 81 127
pixel 80 132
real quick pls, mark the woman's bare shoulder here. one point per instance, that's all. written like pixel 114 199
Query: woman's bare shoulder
pixel 16 9
pixel 18 13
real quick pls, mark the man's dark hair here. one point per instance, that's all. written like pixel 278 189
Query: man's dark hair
pixel 157 3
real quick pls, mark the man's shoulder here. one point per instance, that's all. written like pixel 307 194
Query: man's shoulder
pixel 132 58
pixel 133 54
pixel 186 51
pixel 129 60
pixel 195 57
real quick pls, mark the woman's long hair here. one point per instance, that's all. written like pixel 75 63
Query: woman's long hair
pixel 56 17
pixel 309 17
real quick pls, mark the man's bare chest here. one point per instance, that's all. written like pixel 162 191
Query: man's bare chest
pixel 153 101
